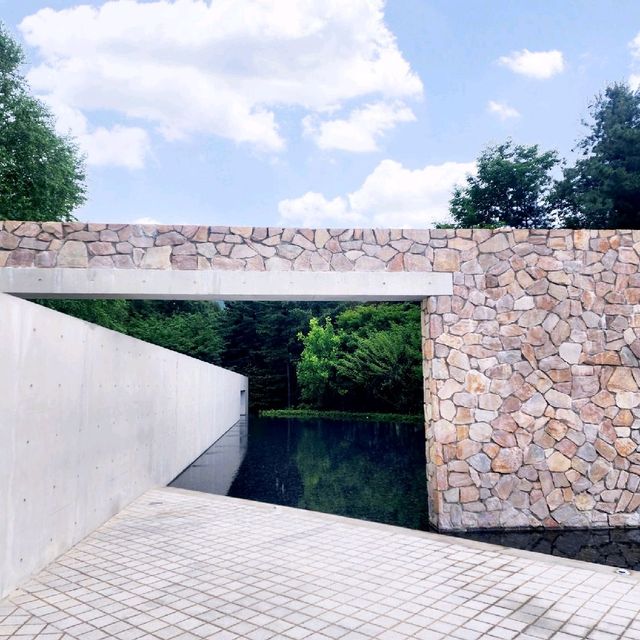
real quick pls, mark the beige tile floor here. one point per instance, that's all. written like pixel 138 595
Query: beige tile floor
pixel 184 565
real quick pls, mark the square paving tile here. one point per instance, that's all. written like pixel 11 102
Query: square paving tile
pixel 179 565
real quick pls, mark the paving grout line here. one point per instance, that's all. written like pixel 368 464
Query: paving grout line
pixel 117 564
pixel 436 537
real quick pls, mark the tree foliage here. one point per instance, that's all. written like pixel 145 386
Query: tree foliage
pixel 511 188
pixel 317 365
pixel 191 328
pixel 602 189
pixel 41 173
pixel 388 364
pixel 514 184
pixel 261 342
pixel 325 355
pixel 369 356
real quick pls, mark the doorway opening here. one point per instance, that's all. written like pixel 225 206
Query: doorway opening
pixel 333 419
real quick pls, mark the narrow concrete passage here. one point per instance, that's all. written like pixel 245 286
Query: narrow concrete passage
pixel 182 565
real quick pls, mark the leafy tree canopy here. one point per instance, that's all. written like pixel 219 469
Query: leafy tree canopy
pixel 192 328
pixel 369 356
pixel 261 341
pixel 41 173
pixel 316 368
pixel 602 189
pixel 511 188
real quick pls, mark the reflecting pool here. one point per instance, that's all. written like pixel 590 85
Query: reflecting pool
pixel 372 471
pixel 367 470
pixel 613 547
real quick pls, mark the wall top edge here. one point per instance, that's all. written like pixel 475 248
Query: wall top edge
pixel 80 245
pixel 11 225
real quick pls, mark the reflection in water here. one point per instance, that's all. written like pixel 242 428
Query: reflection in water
pixel 215 469
pixel 372 471
pixel 614 547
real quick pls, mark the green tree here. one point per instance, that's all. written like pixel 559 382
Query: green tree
pixel 189 327
pixel 380 363
pixel 388 364
pixel 41 173
pixel 511 188
pixel 602 189
pixel 111 314
pixel 317 365
pixel 192 328
pixel 368 357
pixel 261 341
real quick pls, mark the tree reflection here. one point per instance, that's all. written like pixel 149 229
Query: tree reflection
pixel 372 471
pixel 367 471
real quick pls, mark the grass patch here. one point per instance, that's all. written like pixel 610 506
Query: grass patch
pixel 311 414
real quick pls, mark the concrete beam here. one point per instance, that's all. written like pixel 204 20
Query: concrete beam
pixel 224 285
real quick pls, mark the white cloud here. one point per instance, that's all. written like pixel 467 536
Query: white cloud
pixel 314 210
pixel 189 67
pixel 634 78
pixel 541 65
pixel 502 110
pixel 391 196
pixel 361 130
pixel 634 45
pixel 117 146
pixel 146 220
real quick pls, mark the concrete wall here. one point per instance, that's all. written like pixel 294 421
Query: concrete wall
pixel 170 284
pixel 89 420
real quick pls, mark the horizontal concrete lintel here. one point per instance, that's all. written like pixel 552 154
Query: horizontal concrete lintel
pixel 224 285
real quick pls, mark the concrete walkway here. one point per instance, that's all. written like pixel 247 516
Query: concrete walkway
pixel 182 565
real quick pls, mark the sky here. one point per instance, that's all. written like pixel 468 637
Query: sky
pixel 312 112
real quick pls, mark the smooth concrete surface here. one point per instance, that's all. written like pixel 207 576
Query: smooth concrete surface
pixel 224 285
pixel 182 565
pixel 89 420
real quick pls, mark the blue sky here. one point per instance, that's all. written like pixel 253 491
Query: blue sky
pixel 310 112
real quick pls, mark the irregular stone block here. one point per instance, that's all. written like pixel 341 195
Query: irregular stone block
pixel 157 258
pixel 622 380
pixel 570 352
pixel 73 254
pixel 507 461
pixel 558 462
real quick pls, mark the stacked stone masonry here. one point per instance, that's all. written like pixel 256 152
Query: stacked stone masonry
pixel 119 246
pixel 532 381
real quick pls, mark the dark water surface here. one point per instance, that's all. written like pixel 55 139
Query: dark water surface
pixel 371 471
pixel 614 547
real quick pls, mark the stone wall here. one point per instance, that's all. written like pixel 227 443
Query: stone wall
pixel 108 246
pixel 531 369
pixel 532 381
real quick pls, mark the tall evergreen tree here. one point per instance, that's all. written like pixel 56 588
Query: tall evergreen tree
pixel 602 189
pixel 261 342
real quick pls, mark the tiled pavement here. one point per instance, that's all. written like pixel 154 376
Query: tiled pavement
pixel 182 565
